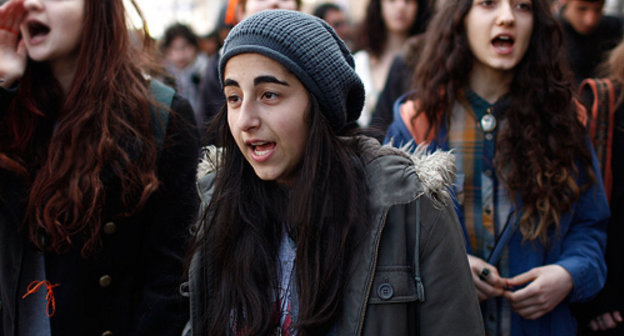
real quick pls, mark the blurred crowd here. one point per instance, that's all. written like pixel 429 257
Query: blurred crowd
pixel 384 44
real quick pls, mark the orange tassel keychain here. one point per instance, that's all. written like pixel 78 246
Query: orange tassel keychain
pixel 34 287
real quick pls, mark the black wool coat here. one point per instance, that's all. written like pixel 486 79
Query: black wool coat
pixel 130 285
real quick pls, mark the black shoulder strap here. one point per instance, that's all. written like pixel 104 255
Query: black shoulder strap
pixel 420 288
pixel 163 95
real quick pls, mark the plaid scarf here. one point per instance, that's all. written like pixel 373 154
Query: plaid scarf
pixel 483 201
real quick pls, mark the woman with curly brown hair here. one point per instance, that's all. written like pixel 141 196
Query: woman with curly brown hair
pixel 97 174
pixel 490 86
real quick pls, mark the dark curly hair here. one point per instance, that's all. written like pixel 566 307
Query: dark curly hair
pixel 544 151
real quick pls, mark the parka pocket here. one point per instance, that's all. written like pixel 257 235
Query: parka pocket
pixel 393 284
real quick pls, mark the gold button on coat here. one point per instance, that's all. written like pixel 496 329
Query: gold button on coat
pixel 110 228
pixel 105 280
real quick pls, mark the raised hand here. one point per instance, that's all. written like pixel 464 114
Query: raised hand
pixel 547 287
pixel 488 283
pixel 12 49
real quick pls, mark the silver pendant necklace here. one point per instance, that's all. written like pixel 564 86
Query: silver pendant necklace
pixel 488 121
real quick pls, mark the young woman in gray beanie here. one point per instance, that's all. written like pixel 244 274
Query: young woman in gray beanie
pixel 308 229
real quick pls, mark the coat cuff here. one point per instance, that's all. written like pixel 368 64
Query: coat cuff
pixel 587 280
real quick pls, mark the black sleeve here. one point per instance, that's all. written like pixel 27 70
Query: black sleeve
pixel 162 309
pixel 612 296
pixel 397 83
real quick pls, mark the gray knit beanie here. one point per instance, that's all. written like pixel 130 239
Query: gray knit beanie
pixel 311 50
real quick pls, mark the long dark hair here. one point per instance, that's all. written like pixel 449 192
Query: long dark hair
pixel 324 212
pixel 62 144
pixel 373 32
pixel 536 154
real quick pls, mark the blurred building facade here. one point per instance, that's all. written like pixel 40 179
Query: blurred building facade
pixel 614 7
pixel 199 14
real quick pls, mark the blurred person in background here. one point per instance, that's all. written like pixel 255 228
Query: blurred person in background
pixel 97 171
pixel 603 315
pixel 210 43
pixel 398 83
pixel 386 27
pixel 211 95
pixel 399 79
pixel 589 35
pixel 336 17
pixel 185 62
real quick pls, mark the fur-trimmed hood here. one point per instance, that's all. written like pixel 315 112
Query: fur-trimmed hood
pixel 208 162
pixel 436 171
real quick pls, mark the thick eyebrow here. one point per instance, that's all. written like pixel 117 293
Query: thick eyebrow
pixel 230 82
pixel 268 79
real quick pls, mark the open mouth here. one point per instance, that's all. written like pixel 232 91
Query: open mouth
pixel 262 148
pixel 503 42
pixel 37 29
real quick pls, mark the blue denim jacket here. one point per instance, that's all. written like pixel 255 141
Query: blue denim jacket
pixel 579 247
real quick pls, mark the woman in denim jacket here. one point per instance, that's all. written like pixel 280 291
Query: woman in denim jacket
pixel 491 87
